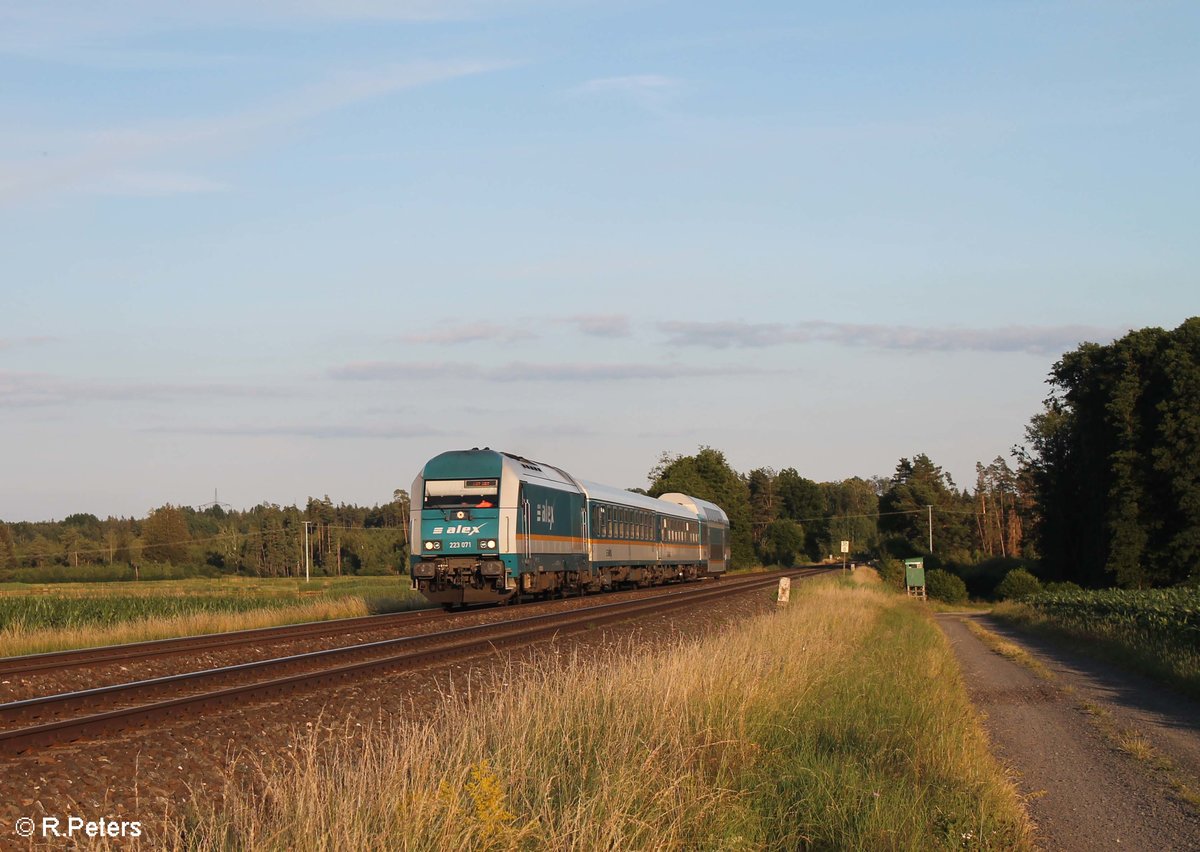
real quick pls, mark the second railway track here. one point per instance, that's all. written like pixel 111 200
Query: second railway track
pixel 50 720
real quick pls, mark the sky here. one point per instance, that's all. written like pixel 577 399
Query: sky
pixel 296 248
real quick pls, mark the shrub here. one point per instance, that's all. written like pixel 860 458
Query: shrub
pixel 983 577
pixel 945 586
pixel 891 571
pixel 1018 583
pixel 1061 586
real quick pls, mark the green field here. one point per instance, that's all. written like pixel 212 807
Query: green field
pixel 1156 631
pixel 44 617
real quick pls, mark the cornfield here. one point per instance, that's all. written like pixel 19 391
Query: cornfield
pixel 1155 631
pixel 66 612
pixel 1167 615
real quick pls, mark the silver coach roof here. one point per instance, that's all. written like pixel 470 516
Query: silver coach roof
pixel 710 511
pixel 608 494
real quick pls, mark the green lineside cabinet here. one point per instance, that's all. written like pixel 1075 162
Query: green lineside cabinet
pixel 914 572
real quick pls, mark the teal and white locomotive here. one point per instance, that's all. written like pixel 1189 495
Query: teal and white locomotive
pixel 490 527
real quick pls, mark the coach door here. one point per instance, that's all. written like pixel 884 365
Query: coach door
pixel 524 528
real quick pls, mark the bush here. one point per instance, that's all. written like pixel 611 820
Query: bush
pixel 983 577
pixel 1018 583
pixel 891 571
pixel 1061 586
pixel 945 586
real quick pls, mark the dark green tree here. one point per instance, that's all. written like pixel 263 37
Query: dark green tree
pixel 8 550
pixel 803 501
pixel 904 514
pixel 707 475
pixel 853 508
pixel 783 542
pixel 1114 459
pixel 165 535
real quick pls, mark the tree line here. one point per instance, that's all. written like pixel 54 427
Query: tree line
pixel 265 541
pixel 1106 491
pixel 781 517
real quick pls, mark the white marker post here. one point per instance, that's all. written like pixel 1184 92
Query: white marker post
pixel 785 590
pixel 845 550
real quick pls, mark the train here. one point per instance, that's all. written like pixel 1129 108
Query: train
pixel 494 527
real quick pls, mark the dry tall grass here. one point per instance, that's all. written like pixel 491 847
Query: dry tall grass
pixel 840 722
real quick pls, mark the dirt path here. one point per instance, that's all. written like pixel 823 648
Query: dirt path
pixel 1060 737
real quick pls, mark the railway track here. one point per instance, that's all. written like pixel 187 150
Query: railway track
pixel 88 657
pixel 57 719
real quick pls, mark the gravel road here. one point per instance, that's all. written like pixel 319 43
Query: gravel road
pixel 1059 737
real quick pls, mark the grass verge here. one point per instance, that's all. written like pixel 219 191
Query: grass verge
pixel 839 722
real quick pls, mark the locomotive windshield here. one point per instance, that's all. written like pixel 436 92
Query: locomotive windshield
pixel 459 493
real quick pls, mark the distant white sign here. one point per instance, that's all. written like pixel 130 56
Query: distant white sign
pixel 845 547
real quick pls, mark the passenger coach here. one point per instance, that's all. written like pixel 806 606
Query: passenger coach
pixel 490 527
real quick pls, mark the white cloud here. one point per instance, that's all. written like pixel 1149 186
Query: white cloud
pixel 1032 339
pixel 516 371
pixel 600 325
pixel 27 390
pixel 152 184
pixel 16 342
pixel 470 333
pixel 308 430
pixel 58 29
pixel 646 90
pixel 105 155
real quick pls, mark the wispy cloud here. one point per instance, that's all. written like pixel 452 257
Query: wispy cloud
pixel 470 333
pixel 18 342
pixel 527 328
pixel 518 371
pixel 307 430
pixel 151 184
pixel 600 325
pixel 1031 339
pixel 103 156
pixel 646 90
pixel 723 335
pixel 71 29
pixel 29 390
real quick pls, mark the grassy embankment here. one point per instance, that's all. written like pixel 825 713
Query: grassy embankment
pixel 839 722
pixel 1155 632
pixel 36 618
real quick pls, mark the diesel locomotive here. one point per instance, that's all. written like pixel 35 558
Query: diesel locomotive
pixel 492 527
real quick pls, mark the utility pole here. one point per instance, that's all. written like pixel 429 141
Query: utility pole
pixel 306 551
pixel 930 508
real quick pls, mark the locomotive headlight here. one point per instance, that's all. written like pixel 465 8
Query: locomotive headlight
pixel 433 544
pixel 487 544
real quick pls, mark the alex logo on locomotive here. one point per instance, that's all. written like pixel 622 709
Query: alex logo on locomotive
pixel 461 529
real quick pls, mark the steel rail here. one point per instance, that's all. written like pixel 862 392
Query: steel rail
pixel 457 642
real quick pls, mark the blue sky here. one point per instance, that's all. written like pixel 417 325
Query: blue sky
pixel 285 249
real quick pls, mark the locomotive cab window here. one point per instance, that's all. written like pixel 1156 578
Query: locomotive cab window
pixel 461 493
